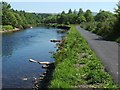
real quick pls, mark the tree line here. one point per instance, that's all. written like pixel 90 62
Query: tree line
pixel 19 19
pixel 105 23
pixel 22 19
pixel 71 17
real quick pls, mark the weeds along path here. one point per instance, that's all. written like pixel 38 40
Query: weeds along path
pixel 107 51
pixel 77 66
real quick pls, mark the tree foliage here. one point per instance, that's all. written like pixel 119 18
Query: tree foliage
pixel 102 16
pixel 88 15
pixel 117 23
pixel 19 19
pixel 22 19
pixel 104 23
pixel 72 17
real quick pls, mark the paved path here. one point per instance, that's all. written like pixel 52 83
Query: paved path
pixel 107 51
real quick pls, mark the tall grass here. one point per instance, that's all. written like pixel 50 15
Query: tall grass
pixel 77 66
pixel 7 27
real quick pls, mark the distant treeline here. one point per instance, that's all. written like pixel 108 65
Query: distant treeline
pixel 105 23
pixel 19 19
pixel 22 19
pixel 72 17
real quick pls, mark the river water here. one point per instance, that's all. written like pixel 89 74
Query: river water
pixel 18 48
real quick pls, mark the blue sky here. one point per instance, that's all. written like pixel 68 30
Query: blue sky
pixel 57 7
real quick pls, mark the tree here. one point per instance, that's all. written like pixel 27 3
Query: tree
pixel 81 18
pixel 116 31
pixel 105 23
pixel 102 16
pixel 80 12
pixel 69 11
pixel 63 12
pixel 9 19
pixel 5 9
pixel 88 15
pixel 19 20
pixel 5 6
pixel 75 12
pixel 61 18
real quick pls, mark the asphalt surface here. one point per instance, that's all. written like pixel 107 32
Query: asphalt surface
pixel 107 51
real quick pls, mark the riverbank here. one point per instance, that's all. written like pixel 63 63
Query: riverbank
pixel 13 30
pixel 55 25
pixel 77 66
pixel 59 26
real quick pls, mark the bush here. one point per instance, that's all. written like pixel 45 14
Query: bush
pixel 105 29
pixel 7 27
pixel 118 40
pixel 20 26
pixel 88 26
pixel 82 25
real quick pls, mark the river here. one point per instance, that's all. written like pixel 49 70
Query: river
pixel 18 48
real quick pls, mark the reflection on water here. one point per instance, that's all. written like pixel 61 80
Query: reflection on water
pixel 18 48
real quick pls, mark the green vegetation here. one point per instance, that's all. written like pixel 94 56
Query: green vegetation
pixel 77 66
pixel 7 27
pixel 105 24
pixel 72 17
pixel 22 19
pixel 117 24
pixel 18 19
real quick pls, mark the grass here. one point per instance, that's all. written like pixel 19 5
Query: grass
pixel 77 66
pixel 7 27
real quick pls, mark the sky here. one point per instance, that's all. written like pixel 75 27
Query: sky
pixel 57 7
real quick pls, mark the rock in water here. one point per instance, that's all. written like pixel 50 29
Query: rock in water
pixel 25 79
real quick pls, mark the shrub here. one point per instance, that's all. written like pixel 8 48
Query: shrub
pixel 7 27
pixel 118 40
pixel 88 26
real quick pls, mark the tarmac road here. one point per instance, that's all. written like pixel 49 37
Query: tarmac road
pixel 107 51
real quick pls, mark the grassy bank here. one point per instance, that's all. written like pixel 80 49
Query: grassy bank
pixel 8 28
pixel 77 66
